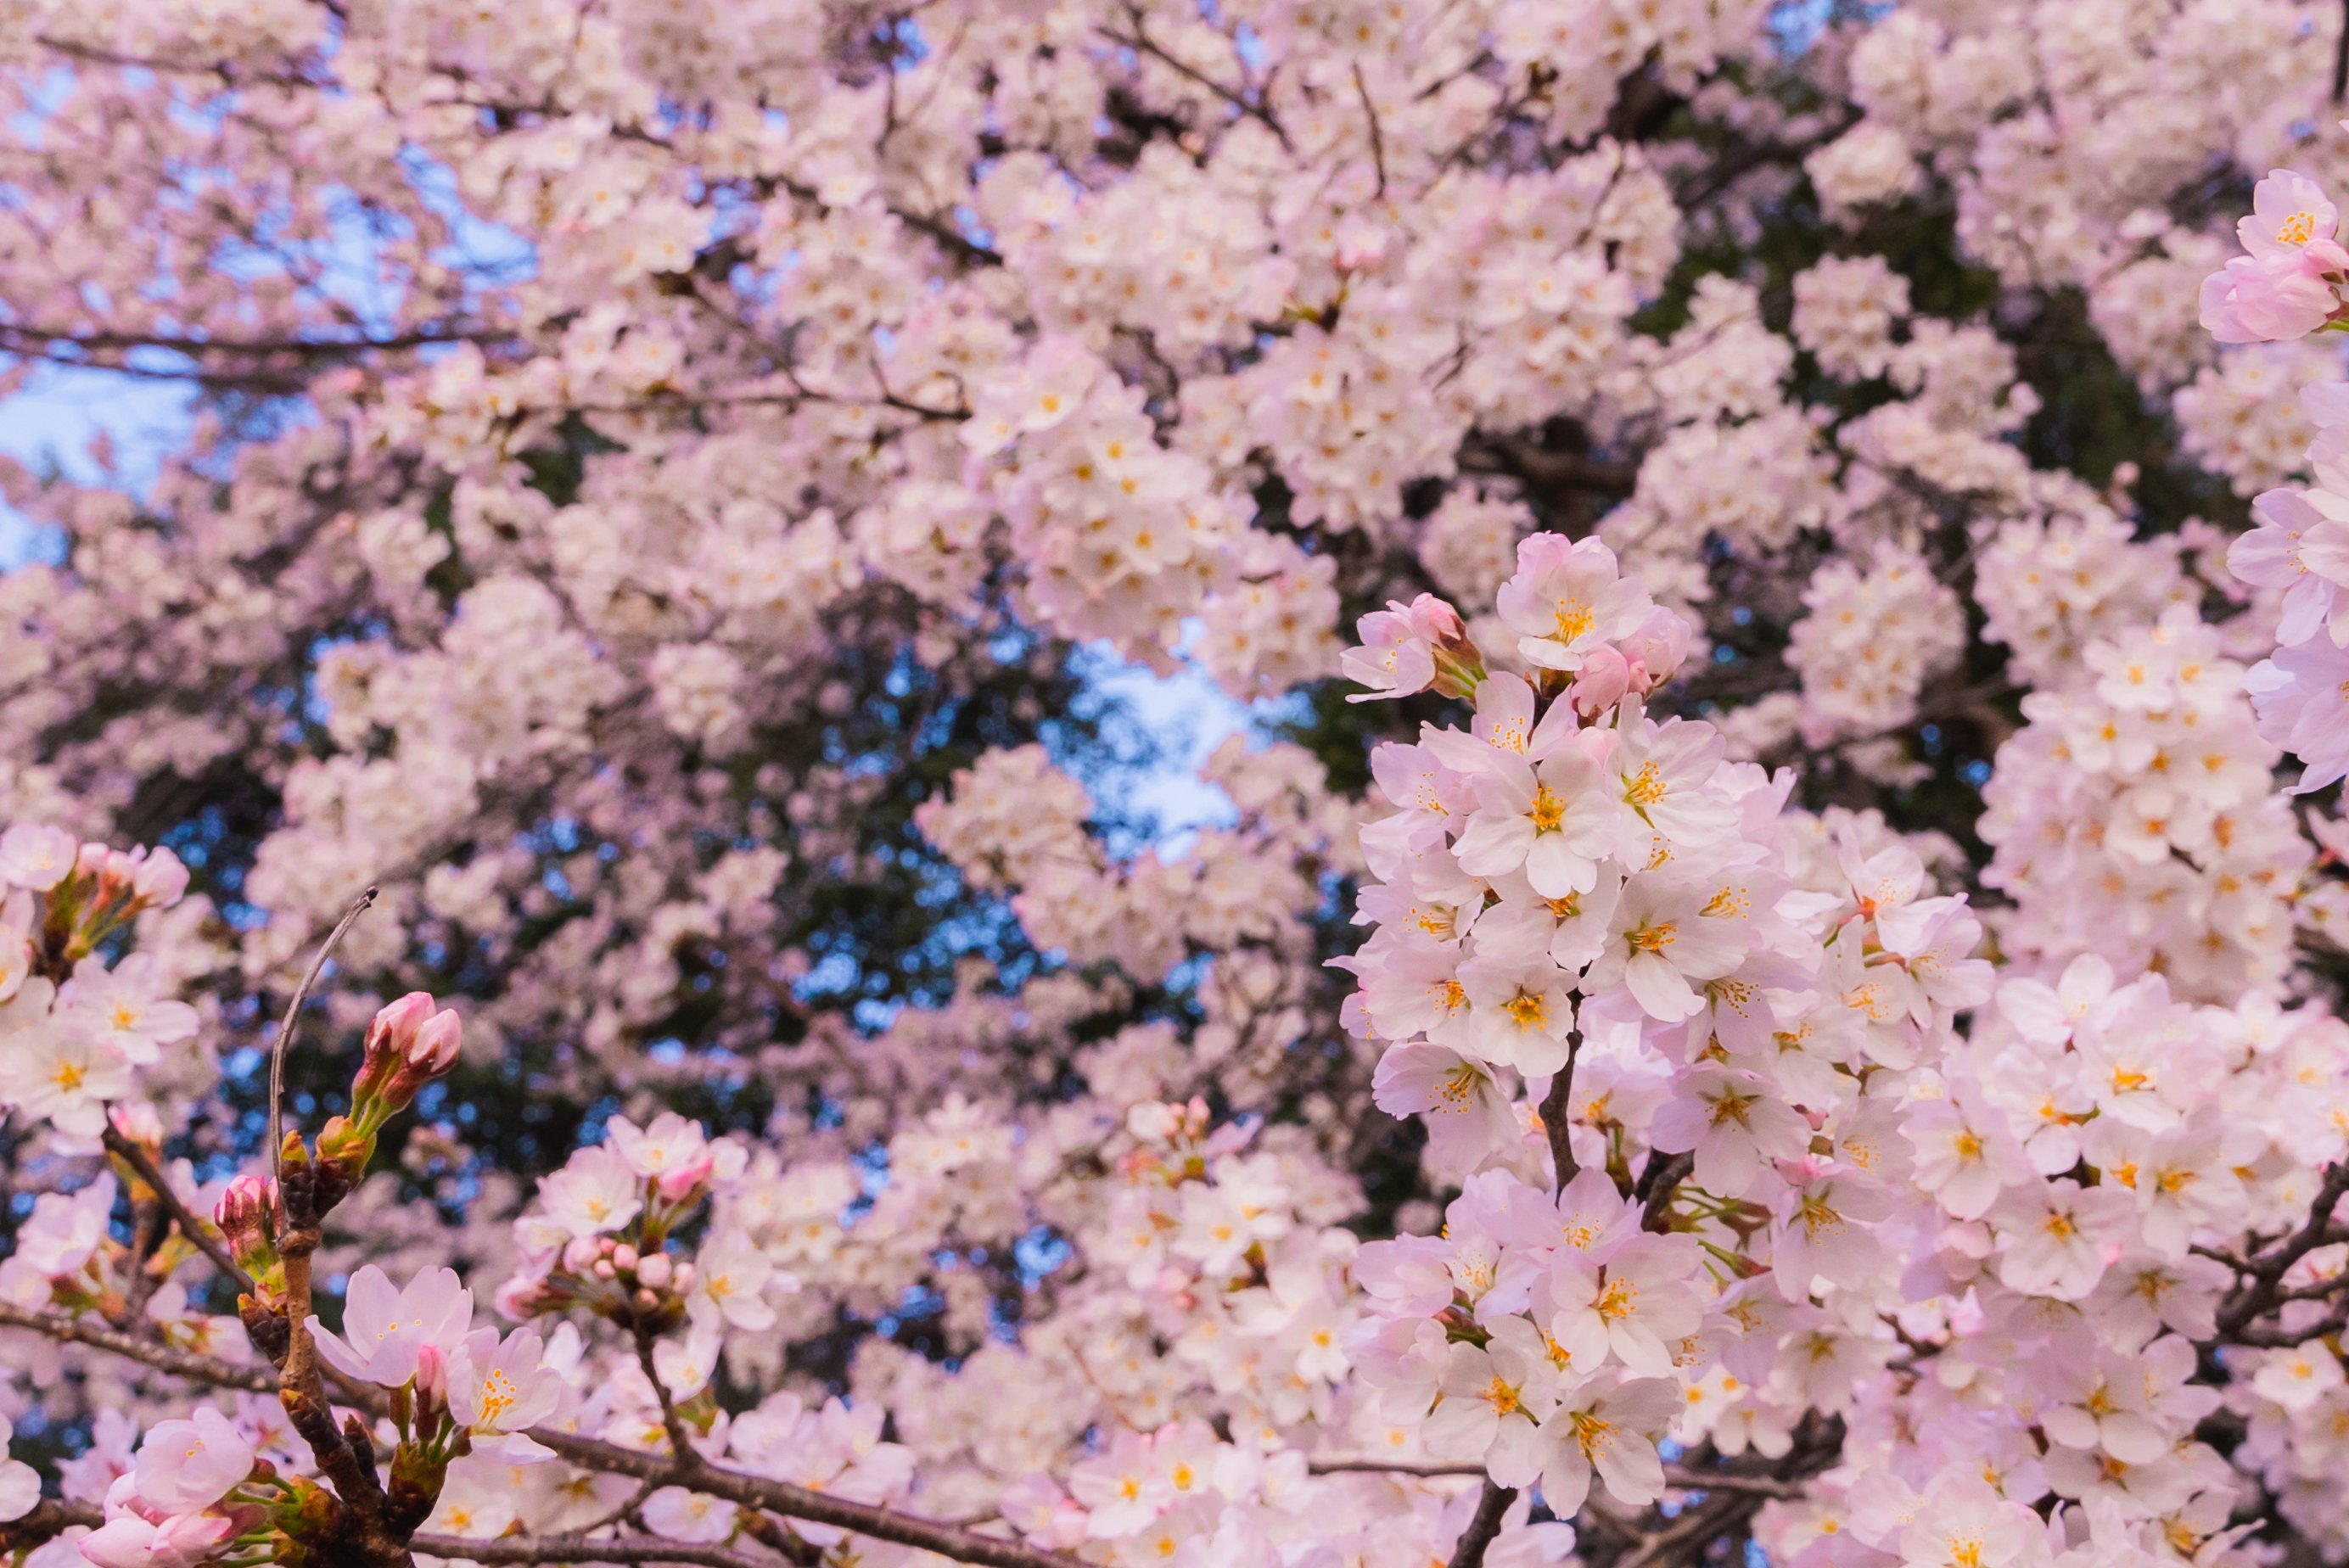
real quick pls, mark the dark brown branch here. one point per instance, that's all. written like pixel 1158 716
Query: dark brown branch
pixel 2265 1271
pixel 1556 1113
pixel 162 1357
pixel 50 1517
pixel 13 333
pixel 1483 1525
pixel 1658 1184
pixel 799 1502
pixel 1378 140
pixel 2341 58
pixel 195 1230
pixel 585 1549
pixel 1141 43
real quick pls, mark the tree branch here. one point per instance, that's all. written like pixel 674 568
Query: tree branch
pixel 1557 1121
pixel 2266 1270
pixel 799 1502
pixel 1483 1525
pixel 168 1358
pixel 195 1230
pixel 585 1549
pixel 285 1033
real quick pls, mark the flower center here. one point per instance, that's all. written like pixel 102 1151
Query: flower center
pixel 1651 938
pixel 1645 788
pixel 2298 229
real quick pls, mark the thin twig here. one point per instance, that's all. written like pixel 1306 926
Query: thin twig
pixel 195 1230
pixel 1425 1469
pixel 1377 141
pixel 2341 58
pixel 162 1357
pixel 285 1032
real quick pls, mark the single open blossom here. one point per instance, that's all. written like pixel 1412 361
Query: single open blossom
pixel 1610 1432
pixel 1630 1306
pixel 1567 600
pixel 187 1465
pixel 123 1007
pixel 1403 647
pixel 65 1072
pixel 2280 289
pixel 497 1388
pixel 35 856
pixel 1547 818
pixel 594 1192
pixel 1467 1112
pixel 1495 1399
pixel 386 1331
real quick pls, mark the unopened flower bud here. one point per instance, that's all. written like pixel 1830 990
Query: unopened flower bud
pixel 139 1123
pixel 435 1048
pixel 624 1257
pixel 1602 681
pixel 655 1270
pixel 604 1269
pixel 579 1254
pixel 408 1046
pixel 431 1372
pixel 246 1214
pixel 160 880
pixel 682 1277
pixel 688 1180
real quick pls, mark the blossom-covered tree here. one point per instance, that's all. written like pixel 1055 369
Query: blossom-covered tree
pixel 573 989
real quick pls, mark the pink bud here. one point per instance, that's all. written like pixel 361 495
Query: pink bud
pixel 137 1123
pixel 624 1257
pixel 579 1253
pixel 604 1269
pixel 1601 682
pixel 656 1270
pixel 1658 645
pixel 683 1276
pixel 676 1186
pixel 525 1296
pixel 434 1049
pixel 396 1023
pixel 432 1371
pixel 1437 621
pixel 160 880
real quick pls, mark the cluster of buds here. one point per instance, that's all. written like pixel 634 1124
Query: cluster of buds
pixel 246 1214
pixel 1412 647
pixel 652 1286
pixel 90 889
pixel 610 1277
pixel 1175 1142
pixel 408 1046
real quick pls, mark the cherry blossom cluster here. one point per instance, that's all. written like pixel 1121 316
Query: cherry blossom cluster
pixel 1836 1055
